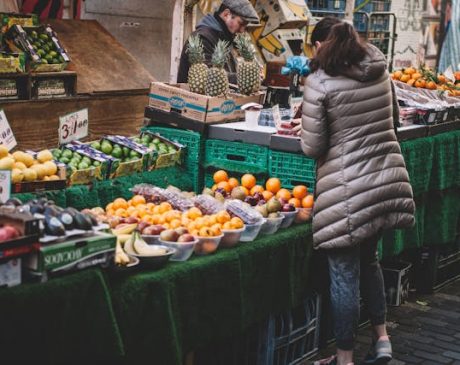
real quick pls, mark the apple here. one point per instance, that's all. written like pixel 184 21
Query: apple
pixel 130 220
pixel 153 230
pixel 186 238
pixel 283 201
pixel 169 235
pixel 181 231
pixel 288 208
pixel 251 201
pixel 142 225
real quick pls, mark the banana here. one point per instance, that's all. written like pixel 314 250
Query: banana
pixel 142 248
pixel 121 258
pixel 128 247
pixel 122 238
pixel 124 229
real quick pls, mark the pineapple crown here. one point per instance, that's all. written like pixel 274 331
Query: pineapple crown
pixel 245 47
pixel 220 54
pixel 195 50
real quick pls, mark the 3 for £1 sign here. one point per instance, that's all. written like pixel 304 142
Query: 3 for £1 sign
pixel 73 126
pixel 6 134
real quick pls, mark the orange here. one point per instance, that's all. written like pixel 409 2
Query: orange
pixel 160 220
pixel 227 226
pixel 416 76
pixel 300 191
pixel 109 207
pixel 166 225
pixel 205 232
pixel 248 181
pixel 411 82
pixel 215 230
pixel 410 71
pixel 137 199
pixel 457 75
pixel 295 202
pixel 120 203
pixel 307 202
pixel 185 221
pixel 131 210
pixel 120 212
pixel 397 75
pixel 165 207
pixel 224 185
pixel 194 232
pixel 212 220
pixel 273 185
pixel 267 195
pixel 405 78
pixel 220 176
pixel 129 203
pixel 191 226
pixel 233 182
pixel 223 217
pixel 194 213
pixel 420 83
pixel 200 223
pixel 175 223
pixel 246 190
pixel 284 194
pixel 148 219
pixel 237 222
pixel 431 85
pixel 257 189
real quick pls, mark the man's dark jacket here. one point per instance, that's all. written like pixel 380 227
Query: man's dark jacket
pixel 211 29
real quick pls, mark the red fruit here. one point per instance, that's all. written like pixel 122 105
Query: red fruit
pixel 186 238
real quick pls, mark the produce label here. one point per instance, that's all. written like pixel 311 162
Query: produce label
pixel 73 126
pixel 5 185
pixel 6 134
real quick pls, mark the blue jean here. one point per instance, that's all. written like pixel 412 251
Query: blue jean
pixel 346 267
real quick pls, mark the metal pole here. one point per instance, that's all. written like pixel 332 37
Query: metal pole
pixel 349 7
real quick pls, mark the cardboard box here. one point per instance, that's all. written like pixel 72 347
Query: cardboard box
pixel 282 14
pixel 73 255
pixel 12 62
pixel 178 99
pixel 10 273
pixel 281 44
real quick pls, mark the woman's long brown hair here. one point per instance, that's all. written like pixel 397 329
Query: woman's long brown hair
pixel 341 50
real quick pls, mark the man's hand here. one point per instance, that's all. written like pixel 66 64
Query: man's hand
pixel 298 127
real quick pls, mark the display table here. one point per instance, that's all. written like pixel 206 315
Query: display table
pixel 160 315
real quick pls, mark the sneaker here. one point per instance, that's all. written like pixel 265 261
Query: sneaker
pixel 380 353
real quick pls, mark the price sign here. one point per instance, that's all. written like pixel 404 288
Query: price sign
pixel 73 126
pixel 6 134
pixel 276 116
pixel 5 185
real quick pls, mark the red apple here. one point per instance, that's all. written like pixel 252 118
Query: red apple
pixel 153 230
pixel 288 208
pixel 181 230
pixel 186 238
pixel 169 235
pixel 142 225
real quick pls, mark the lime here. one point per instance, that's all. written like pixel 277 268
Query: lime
pixel 153 146
pixel 86 160
pixel 64 160
pixel 46 48
pixel 106 148
pixel 41 53
pixel 55 61
pixel 57 153
pixel 67 153
pixel 117 153
pixel 44 61
pixel 171 149
pixel 61 59
pixel 126 151
pixel 134 154
pixel 77 156
pixel 156 140
pixel 96 145
pixel 44 37
pixel 83 166
pixel 74 161
pixel 34 34
pixel 137 140
pixel 146 139
pixel 53 54
pixel 96 163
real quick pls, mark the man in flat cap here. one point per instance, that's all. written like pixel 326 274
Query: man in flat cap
pixel 231 18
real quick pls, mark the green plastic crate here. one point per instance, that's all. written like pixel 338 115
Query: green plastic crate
pixel 209 180
pixel 236 156
pixel 192 140
pixel 292 169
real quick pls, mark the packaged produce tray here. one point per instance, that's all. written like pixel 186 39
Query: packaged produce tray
pixel 292 169
pixel 166 153
pixel 12 62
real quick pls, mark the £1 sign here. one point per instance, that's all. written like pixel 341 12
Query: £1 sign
pixel 73 126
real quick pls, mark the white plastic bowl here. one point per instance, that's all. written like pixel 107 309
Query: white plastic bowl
pixel 207 245
pixel 288 218
pixel 183 249
pixel 231 237
pixel 271 225
pixel 151 240
pixel 252 231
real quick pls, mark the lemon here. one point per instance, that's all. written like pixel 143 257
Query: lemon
pixel 51 168
pixel 6 163
pixel 44 156
pixel 40 170
pixel 18 156
pixel 3 151
pixel 54 177
pixel 46 178
pixel 27 159
pixel 16 176
pixel 19 165
pixel 30 175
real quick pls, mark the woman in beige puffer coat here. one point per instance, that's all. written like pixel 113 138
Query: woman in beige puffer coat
pixel 362 183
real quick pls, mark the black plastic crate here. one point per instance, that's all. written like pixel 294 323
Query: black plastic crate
pixel 291 337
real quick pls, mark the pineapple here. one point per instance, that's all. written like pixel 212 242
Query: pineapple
pixel 217 83
pixel 198 72
pixel 248 74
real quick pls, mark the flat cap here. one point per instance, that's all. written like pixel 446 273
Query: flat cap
pixel 243 8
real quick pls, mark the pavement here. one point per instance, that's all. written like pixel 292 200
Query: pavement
pixel 424 330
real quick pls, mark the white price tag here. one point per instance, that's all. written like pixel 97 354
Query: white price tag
pixel 6 134
pixel 276 116
pixel 73 126
pixel 5 185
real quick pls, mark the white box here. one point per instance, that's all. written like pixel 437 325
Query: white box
pixel 281 44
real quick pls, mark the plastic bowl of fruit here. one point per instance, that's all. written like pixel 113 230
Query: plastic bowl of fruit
pixel 303 215
pixel 252 231
pixel 288 218
pixel 272 224
pixel 151 239
pixel 183 249
pixel 231 237
pixel 207 245
pixel 157 258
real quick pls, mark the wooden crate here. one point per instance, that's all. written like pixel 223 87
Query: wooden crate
pixel 48 85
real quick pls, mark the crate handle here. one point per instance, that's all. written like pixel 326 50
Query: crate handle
pixel 81 244
pixel 236 158
pixel 297 182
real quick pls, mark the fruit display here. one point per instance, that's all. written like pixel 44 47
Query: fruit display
pixel 198 72
pixel 217 80
pixel 12 62
pixel 28 167
pixel 167 153
pixel 248 73
pixel 425 78
pixel 43 44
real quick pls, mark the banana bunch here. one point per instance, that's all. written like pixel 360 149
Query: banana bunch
pixel 135 245
pixel 123 234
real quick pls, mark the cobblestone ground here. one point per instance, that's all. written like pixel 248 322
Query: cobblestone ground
pixel 425 330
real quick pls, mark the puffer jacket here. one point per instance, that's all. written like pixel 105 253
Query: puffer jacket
pixel 362 183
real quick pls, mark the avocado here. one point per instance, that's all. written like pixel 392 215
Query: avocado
pixel 83 222
pixel 53 226
pixel 14 201
pixel 66 219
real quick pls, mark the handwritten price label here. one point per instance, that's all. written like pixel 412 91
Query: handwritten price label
pixel 5 185
pixel 73 126
pixel 6 134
